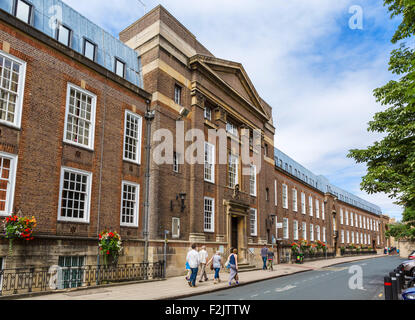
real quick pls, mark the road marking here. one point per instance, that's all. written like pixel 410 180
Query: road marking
pixel 267 291
pixel 380 296
pixel 286 288
pixel 255 295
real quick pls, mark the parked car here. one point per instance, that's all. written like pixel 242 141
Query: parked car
pixel 408 267
pixel 408 294
pixel 412 256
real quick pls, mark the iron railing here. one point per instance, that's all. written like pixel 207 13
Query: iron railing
pixel 357 253
pixel 44 279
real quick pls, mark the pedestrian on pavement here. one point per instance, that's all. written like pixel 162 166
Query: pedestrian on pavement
pixel 264 255
pixel 270 259
pixel 193 260
pixel 216 262
pixel 203 256
pixel 233 266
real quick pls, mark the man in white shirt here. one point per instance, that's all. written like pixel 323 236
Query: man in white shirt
pixel 203 258
pixel 192 259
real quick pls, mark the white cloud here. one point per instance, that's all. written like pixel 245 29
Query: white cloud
pixel 316 73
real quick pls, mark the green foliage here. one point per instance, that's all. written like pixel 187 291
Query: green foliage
pixel 391 161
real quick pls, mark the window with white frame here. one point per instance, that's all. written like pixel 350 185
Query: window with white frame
pixel 12 78
pixel 231 128
pixel 324 234
pixel 347 217
pixel 175 162
pixel 360 222
pixel 304 230
pixel 119 68
pixel 208 113
pixel 252 180
pixel 177 94
pixel 318 232
pixel 295 229
pixel 23 10
pixel 347 236
pixel 310 205
pixel 129 204
pixel 253 221
pixel 75 195
pixel 357 237
pixel 341 216
pixel 361 238
pixel 275 192
pixel 303 209
pixel 80 117
pixel 323 214
pixel 285 228
pixel 175 227
pixel 233 170
pixel 351 219
pixel 8 165
pixel 132 137
pixel 294 199
pixel 209 162
pixel 378 239
pixel 355 220
pixel 311 232
pixel 342 236
pixel 90 50
pixel 64 35
pixel 284 196
pixel 209 215
pixel 352 236
pixel 317 209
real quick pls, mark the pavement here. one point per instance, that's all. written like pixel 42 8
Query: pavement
pixel 177 287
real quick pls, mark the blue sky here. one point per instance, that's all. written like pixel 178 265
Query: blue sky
pixel 304 60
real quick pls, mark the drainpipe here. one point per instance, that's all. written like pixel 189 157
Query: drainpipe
pixel 149 117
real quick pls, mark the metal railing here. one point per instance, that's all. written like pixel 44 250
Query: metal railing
pixel 44 279
pixel 357 253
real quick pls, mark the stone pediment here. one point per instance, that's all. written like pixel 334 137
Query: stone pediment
pixel 234 77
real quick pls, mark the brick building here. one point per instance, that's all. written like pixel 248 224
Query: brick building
pixel 159 64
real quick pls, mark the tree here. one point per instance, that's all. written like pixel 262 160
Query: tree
pixel 405 229
pixel 391 161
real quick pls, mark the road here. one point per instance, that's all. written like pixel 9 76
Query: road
pixel 332 283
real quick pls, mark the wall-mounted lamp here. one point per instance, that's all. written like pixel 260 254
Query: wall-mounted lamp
pixel 181 197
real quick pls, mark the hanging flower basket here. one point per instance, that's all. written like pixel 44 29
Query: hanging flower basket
pixel 18 228
pixel 110 246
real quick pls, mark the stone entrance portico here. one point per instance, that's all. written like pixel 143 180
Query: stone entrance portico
pixel 237 213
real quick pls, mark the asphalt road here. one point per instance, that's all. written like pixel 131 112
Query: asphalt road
pixel 340 282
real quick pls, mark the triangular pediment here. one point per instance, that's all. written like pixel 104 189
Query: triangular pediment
pixel 234 76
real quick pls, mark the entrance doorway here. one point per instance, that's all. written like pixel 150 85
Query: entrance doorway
pixel 234 228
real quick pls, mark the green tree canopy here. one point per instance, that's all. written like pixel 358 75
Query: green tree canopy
pixel 391 161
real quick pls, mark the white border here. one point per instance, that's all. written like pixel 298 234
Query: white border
pixel 207 144
pixel 256 222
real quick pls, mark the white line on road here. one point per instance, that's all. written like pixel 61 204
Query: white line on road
pixel 255 295
pixel 286 288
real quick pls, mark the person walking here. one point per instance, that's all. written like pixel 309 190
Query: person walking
pixel 270 259
pixel 193 259
pixel 203 256
pixel 233 266
pixel 264 255
pixel 216 262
